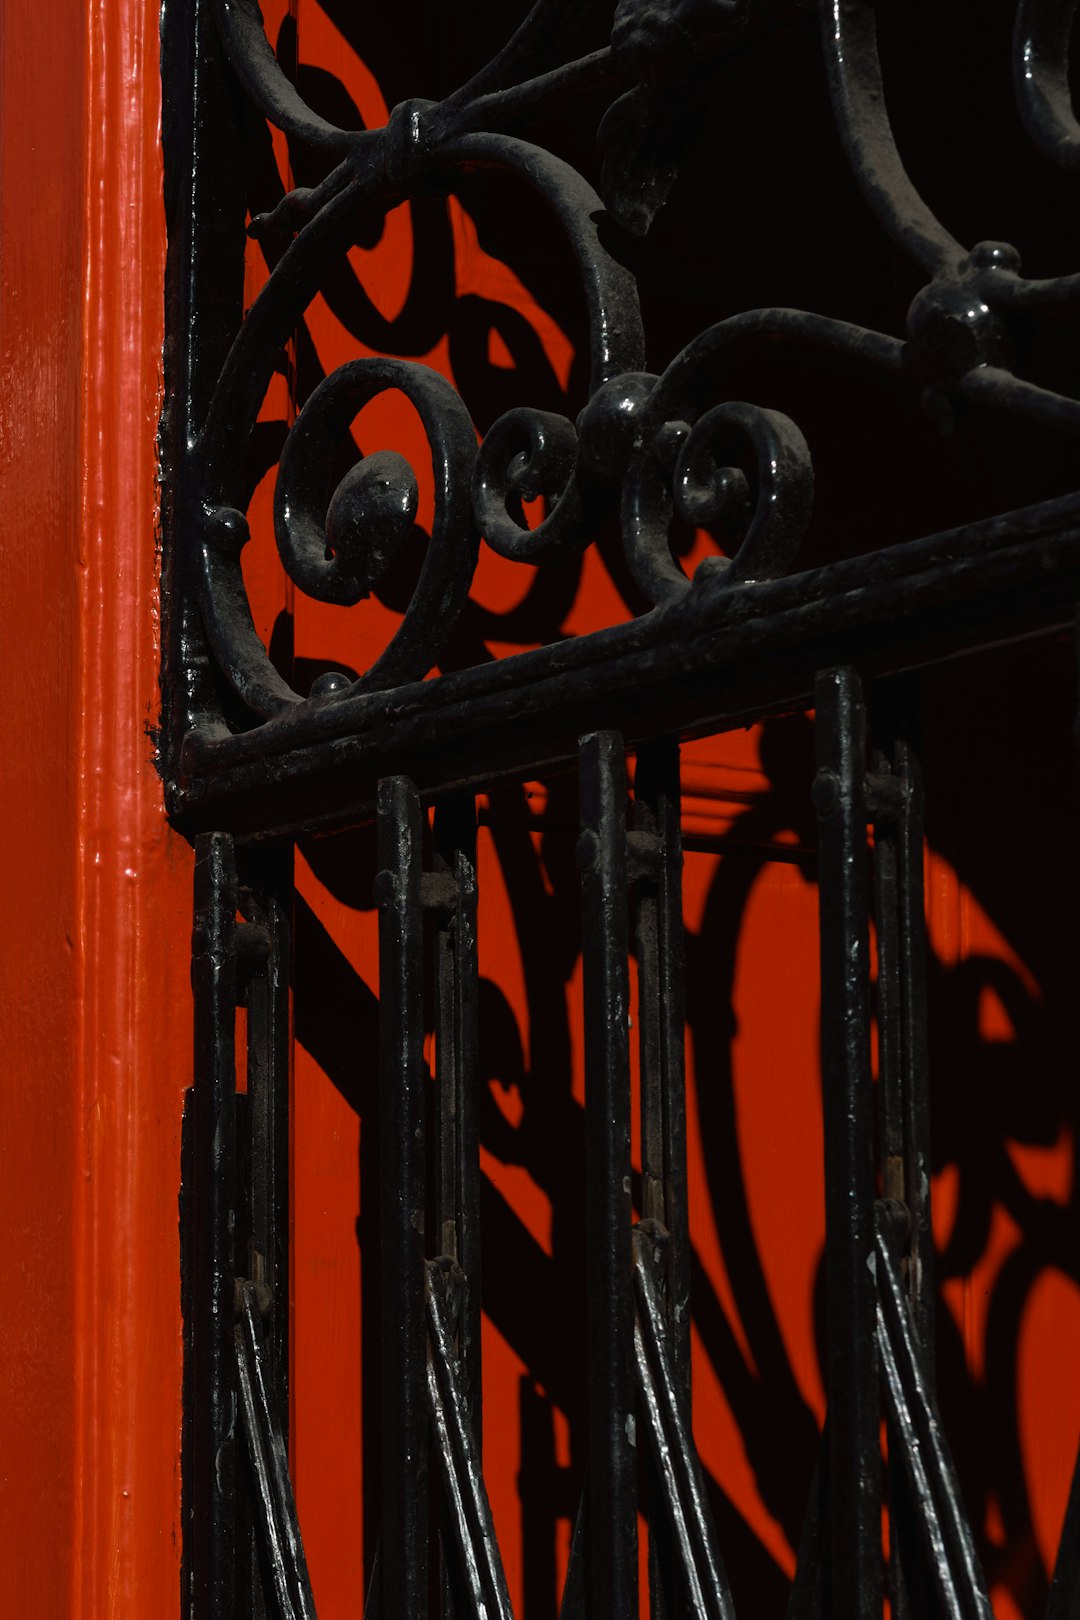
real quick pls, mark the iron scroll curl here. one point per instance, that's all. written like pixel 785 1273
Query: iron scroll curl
pixel 334 543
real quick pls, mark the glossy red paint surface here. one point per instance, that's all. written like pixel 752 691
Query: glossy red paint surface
pixel 95 1006
pixel 41 198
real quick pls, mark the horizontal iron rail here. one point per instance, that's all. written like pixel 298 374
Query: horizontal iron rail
pixel 717 659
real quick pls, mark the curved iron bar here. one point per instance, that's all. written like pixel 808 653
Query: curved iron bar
pixel 541 24
pixel 857 91
pixel 337 549
pixel 1041 77
pixel 849 32
pixel 705 485
pixel 617 343
pixel 256 66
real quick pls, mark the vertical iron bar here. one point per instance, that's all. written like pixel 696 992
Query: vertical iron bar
pixel 658 797
pixel 447 1077
pixel 854 1412
pixel 650 1015
pixel 448 1095
pixel 457 1192
pixel 658 926
pixel 912 899
pixel 900 898
pixel 904 1547
pixel 902 982
pixel 265 900
pixel 213 974
pixel 456 981
pixel 268 1102
pixel 404 1582
pixel 612 1468
pixel 890 1089
pixel 662 1552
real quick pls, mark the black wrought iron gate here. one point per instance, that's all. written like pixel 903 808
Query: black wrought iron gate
pixel 251 763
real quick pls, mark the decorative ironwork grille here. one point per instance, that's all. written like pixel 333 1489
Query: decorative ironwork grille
pixel 251 763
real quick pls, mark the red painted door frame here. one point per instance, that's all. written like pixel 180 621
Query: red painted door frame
pixel 94 1013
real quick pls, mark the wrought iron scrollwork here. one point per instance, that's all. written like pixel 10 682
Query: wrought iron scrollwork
pixel 661 446
pixel 751 628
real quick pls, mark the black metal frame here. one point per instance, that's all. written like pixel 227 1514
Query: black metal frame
pixel 249 764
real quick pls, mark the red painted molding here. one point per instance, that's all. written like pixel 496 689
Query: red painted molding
pixel 94 1008
pixel 133 873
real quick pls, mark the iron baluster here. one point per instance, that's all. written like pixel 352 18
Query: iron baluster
pixel 241 1513
pixel 659 946
pixel 653 1046
pixel 404 1547
pixel 212 1469
pixel 912 926
pixel 894 794
pixel 612 1447
pixel 475 1571
pixel 457 1080
pixel 262 1112
pixel 656 869
pixel 268 894
pixel 854 1412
